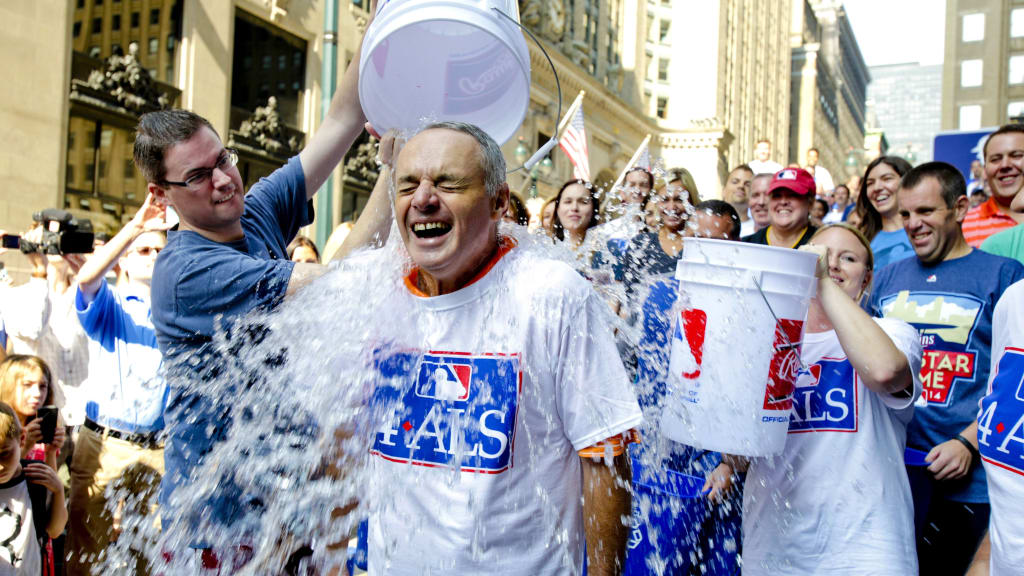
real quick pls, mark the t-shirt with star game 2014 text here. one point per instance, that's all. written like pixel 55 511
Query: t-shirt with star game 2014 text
pixel 951 306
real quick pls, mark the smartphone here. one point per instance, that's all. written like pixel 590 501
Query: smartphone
pixel 11 241
pixel 47 422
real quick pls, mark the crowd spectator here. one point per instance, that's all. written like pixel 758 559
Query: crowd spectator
pixel 1008 243
pixel 855 398
pixel 576 211
pixel 790 196
pixel 762 162
pixel 118 446
pixel 517 212
pixel 947 292
pixel 547 216
pixel 881 222
pixel 840 207
pixel 303 250
pixel 1004 172
pixel 32 499
pixel 737 193
pixel 760 215
pixel 819 209
pixel 978 197
pixel 822 177
pixel 681 177
pixel 714 219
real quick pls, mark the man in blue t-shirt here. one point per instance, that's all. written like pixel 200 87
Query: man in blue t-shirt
pixel 227 258
pixel 947 292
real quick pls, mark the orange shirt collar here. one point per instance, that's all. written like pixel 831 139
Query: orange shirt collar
pixel 505 245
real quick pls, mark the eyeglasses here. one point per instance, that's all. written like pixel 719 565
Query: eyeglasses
pixel 198 179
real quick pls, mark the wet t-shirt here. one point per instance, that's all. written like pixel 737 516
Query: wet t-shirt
pixel 837 500
pixel 487 394
pixel 950 304
pixel 200 287
pixel 1001 434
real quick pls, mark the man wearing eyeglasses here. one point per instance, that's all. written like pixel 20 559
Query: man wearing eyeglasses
pixel 226 258
pixel 124 393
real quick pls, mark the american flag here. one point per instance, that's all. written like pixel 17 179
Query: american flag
pixel 643 159
pixel 574 142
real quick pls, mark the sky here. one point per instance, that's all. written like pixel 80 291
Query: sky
pixel 881 27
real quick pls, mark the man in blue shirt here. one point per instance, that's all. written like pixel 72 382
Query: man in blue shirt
pixel 124 393
pixel 948 293
pixel 226 258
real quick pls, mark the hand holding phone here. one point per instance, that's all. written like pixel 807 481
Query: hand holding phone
pixel 47 422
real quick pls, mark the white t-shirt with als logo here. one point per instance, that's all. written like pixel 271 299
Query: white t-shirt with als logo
pixel 837 500
pixel 19 548
pixel 1001 434
pixel 489 393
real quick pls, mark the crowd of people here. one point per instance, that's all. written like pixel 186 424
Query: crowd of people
pixel 519 365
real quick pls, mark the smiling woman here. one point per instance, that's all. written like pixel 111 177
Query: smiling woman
pixel 881 223
pixel 576 210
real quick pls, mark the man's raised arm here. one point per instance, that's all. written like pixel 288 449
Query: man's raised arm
pixel 340 128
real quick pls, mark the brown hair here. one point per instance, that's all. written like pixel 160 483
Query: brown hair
pixel 871 220
pixel 302 241
pixel 10 426
pixel 18 366
pixel 159 131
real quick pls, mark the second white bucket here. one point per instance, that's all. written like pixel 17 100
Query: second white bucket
pixel 733 364
pixel 432 60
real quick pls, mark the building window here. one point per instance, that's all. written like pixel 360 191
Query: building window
pixel 662 106
pixel 97 25
pixel 662 69
pixel 970 73
pixel 98 3
pixel 154 16
pixel 115 23
pixel 81 3
pixel 1014 109
pixel 1017 69
pixel 973 27
pixel 135 19
pixel 170 43
pixel 969 117
pixel 1017 23
pixel 663 30
pixel 154 45
pixel 76 29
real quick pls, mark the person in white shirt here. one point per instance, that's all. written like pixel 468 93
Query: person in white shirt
pixel 762 162
pixel 1001 437
pixel 822 177
pixel 837 499
pixel 737 193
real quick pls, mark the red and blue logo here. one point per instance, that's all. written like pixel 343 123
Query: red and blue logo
pixel 1001 419
pixel 825 399
pixel 448 409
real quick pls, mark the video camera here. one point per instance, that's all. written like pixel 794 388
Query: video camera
pixel 62 234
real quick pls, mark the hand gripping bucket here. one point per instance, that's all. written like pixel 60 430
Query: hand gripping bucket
pixel 735 350
pixel 432 60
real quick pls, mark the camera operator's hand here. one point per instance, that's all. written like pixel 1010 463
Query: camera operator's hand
pixel 38 260
pixel 74 261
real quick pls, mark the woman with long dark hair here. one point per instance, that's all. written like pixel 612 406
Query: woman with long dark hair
pixel 880 212
pixel 576 211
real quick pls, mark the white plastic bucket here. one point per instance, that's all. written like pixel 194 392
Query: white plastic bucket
pixel 732 371
pixel 432 60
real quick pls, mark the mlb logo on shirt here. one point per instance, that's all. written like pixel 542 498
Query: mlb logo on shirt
pixel 1001 421
pixel 448 379
pixel 825 399
pixel 449 409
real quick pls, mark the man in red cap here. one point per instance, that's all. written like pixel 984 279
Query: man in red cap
pixel 790 196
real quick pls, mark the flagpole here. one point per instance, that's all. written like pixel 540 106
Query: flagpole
pixel 639 149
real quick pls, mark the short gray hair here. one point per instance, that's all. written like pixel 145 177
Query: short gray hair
pixel 491 159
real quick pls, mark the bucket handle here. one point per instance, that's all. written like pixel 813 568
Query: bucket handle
pixel 546 148
pixel 785 336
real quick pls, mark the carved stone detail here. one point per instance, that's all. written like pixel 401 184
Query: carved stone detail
pixel 546 17
pixel 265 128
pixel 363 164
pixel 127 82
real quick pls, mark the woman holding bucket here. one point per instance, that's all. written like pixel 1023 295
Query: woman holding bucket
pixel 837 499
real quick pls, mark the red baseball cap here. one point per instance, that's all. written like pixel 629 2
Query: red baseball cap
pixel 796 180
